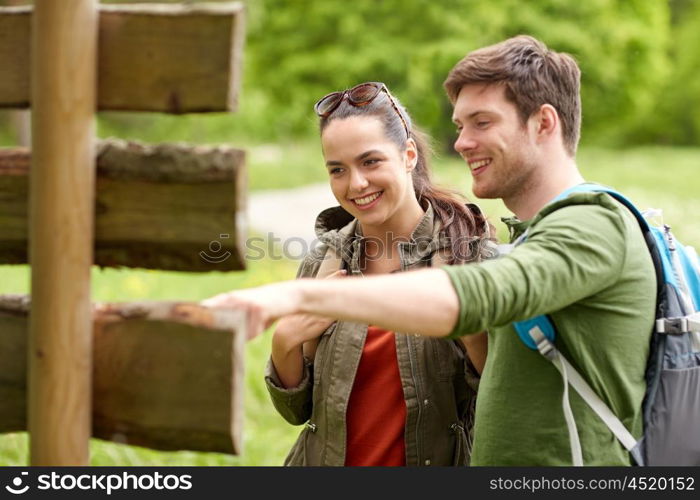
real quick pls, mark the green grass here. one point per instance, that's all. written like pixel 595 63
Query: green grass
pixel 660 176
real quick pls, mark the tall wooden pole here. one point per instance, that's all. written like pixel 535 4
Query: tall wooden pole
pixel 63 76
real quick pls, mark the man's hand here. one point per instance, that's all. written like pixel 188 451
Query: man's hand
pixel 421 301
pixel 263 305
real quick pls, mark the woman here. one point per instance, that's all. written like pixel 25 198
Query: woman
pixel 369 396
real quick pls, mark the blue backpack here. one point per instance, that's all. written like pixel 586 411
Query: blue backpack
pixel 671 409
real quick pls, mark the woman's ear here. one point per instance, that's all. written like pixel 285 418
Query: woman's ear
pixel 411 155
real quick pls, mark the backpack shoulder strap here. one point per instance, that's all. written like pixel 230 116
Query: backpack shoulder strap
pixel 571 376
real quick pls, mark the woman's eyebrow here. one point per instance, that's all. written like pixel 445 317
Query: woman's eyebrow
pixel 360 157
pixel 366 154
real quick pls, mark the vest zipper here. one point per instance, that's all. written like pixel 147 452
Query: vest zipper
pixel 412 358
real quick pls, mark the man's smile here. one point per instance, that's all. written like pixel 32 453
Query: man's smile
pixel 478 165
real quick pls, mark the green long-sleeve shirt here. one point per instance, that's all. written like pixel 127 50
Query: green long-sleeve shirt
pixel 585 264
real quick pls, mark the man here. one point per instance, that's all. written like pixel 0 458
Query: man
pixel 517 110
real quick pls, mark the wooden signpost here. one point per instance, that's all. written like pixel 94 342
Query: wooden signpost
pixel 164 375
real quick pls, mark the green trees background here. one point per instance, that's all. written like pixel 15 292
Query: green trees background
pixel 297 51
pixel 639 59
pixel 640 62
pixel 675 119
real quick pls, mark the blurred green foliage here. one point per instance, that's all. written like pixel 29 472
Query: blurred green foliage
pixel 298 51
pixel 675 118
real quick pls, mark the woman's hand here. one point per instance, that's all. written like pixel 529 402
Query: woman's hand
pixel 293 330
pixel 297 336
pixel 296 329
pixel 477 349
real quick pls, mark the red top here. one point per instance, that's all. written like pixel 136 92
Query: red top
pixel 376 415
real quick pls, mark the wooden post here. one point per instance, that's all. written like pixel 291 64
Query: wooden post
pixel 63 94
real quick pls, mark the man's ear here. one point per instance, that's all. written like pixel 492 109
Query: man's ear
pixel 411 155
pixel 546 122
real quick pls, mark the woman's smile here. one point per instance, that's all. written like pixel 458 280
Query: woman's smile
pixel 368 201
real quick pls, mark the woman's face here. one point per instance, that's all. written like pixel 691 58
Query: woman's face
pixel 369 176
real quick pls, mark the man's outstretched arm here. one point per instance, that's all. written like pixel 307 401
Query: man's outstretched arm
pixel 419 301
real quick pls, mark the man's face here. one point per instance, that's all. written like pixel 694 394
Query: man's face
pixel 498 148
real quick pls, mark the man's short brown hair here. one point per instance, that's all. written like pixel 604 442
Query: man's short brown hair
pixel 532 74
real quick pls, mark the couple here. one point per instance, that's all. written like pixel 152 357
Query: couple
pixel 373 397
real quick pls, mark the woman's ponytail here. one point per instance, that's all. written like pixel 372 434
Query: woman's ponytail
pixel 465 228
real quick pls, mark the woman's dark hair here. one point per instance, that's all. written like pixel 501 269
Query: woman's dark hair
pixel 465 228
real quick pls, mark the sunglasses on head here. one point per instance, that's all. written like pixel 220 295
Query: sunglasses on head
pixel 359 95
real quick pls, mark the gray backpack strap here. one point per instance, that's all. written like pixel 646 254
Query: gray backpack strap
pixel 506 248
pixel 571 376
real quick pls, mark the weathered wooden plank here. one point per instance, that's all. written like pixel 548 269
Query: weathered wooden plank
pixel 166 375
pixel 168 206
pixel 13 360
pixel 15 41
pixel 169 58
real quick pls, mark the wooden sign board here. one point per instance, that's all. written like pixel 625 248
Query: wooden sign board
pixel 169 58
pixel 166 375
pixel 169 206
